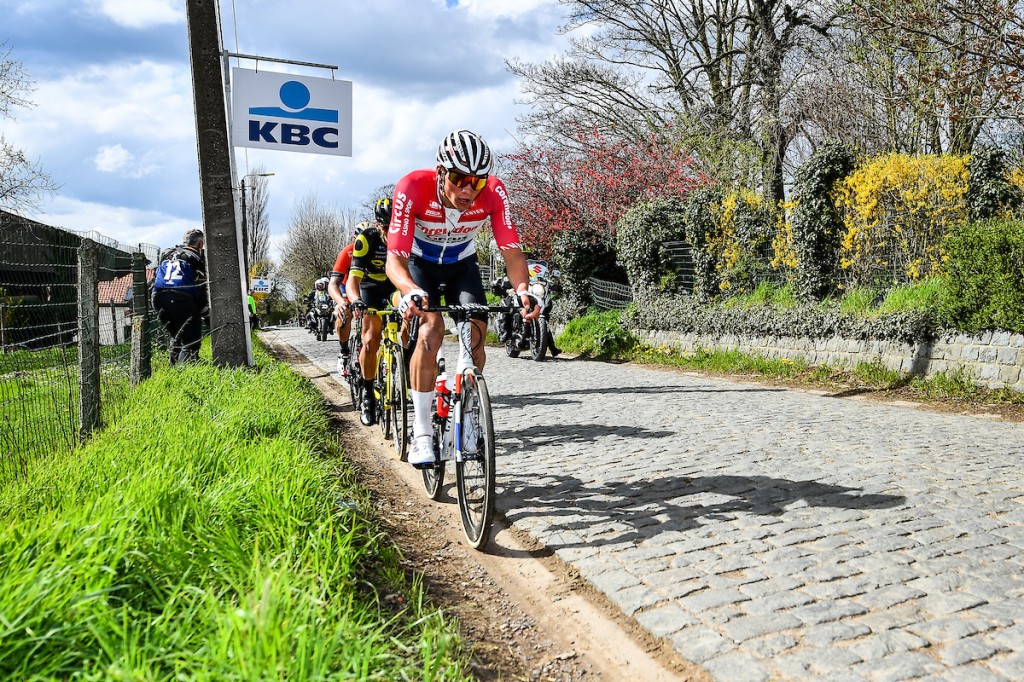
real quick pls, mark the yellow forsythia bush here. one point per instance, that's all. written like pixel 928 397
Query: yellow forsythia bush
pixel 896 209
pixel 741 243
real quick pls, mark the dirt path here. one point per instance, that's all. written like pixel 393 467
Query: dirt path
pixel 524 612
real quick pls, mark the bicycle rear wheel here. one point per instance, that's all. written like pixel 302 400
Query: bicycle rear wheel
pixel 401 406
pixel 354 375
pixel 381 385
pixel 474 475
pixel 433 477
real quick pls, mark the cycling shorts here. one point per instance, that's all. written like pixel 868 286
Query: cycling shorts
pixel 461 280
pixel 376 294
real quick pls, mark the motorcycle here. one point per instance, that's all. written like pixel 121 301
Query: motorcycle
pixel 320 318
pixel 516 333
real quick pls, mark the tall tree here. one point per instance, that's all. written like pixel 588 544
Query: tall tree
pixel 257 192
pixel 22 182
pixel 316 234
pixel 941 70
pixel 720 67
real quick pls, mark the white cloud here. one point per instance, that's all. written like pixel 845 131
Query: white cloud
pixel 112 158
pixel 140 13
pixel 500 9
pixel 128 226
pixel 117 159
pixel 143 99
pixel 116 127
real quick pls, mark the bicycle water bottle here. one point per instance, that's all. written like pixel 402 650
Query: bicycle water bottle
pixel 442 388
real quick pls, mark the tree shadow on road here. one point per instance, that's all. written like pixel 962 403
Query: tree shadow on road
pixel 552 398
pixel 622 513
pixel 549 434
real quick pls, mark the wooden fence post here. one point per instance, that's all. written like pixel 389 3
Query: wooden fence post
pixel 88 339
pixel 113 321
pixel 141 350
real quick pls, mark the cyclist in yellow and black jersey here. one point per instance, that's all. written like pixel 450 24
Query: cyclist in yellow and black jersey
pixel 368 286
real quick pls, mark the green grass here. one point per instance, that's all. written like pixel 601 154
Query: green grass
pixel 858 301
pixel 597 335
pixel 764 294
pixel 724 361
pixel 868 301
pixel 212 532
pixel 921 296
pixel 39 406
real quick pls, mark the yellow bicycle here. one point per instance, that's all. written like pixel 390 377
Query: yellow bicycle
pixel 391 383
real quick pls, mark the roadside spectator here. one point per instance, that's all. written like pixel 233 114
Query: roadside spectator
pixel 180 298
pixel 254 318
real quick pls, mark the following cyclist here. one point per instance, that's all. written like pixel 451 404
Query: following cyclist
pixel 336 288
pixel 368 286
pixel 437 215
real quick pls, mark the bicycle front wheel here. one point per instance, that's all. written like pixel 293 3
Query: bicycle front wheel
pixel 474 474
pixel 401 407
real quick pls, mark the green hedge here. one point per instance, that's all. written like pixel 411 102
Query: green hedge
pixel 807 320
pixel 985 278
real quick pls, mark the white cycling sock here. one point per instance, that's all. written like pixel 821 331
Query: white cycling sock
pixel 421 408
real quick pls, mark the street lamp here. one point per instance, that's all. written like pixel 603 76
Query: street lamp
pixel 245 222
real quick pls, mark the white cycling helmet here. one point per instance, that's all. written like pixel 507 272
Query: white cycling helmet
pixel 466 152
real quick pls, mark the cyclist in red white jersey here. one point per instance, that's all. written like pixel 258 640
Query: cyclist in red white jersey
pixel 436 214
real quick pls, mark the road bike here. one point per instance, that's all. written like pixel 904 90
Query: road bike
pixel 355 373
pixel 391 383
pixel 463 432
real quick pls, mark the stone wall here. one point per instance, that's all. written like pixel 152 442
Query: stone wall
pixel 991 359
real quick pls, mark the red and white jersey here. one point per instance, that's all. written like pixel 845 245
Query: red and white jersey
pixel 421 226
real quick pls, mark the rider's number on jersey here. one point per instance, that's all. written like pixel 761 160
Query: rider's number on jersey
pixel 173 272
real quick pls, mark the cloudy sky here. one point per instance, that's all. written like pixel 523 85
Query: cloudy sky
pixel 113 118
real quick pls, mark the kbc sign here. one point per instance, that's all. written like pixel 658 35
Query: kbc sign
pixel 291 113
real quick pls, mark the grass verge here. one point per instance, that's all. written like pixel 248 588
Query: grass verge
pixel 213 531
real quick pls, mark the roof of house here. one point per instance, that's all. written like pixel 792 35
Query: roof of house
pixel 116 290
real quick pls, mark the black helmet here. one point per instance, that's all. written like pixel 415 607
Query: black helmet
pixel 382 212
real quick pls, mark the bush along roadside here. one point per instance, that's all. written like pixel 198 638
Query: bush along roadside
pixel 211 532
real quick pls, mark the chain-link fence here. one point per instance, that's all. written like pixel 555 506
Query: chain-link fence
pixel 73 313
pixel 609 295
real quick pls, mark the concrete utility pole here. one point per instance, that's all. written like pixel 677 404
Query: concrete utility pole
pixel 229 322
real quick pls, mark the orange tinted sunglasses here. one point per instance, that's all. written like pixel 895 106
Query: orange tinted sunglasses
pixel 460 180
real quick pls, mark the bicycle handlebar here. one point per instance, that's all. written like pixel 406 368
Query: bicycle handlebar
pixel 473 308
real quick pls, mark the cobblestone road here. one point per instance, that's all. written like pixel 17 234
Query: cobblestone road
pixel 769 534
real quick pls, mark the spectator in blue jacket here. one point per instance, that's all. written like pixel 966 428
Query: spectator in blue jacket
pixel 180 298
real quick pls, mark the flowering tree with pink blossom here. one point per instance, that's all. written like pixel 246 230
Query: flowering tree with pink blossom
pixel 556 189
pixel 567 200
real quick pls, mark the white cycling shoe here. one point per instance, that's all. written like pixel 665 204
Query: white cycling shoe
pixel 421 452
